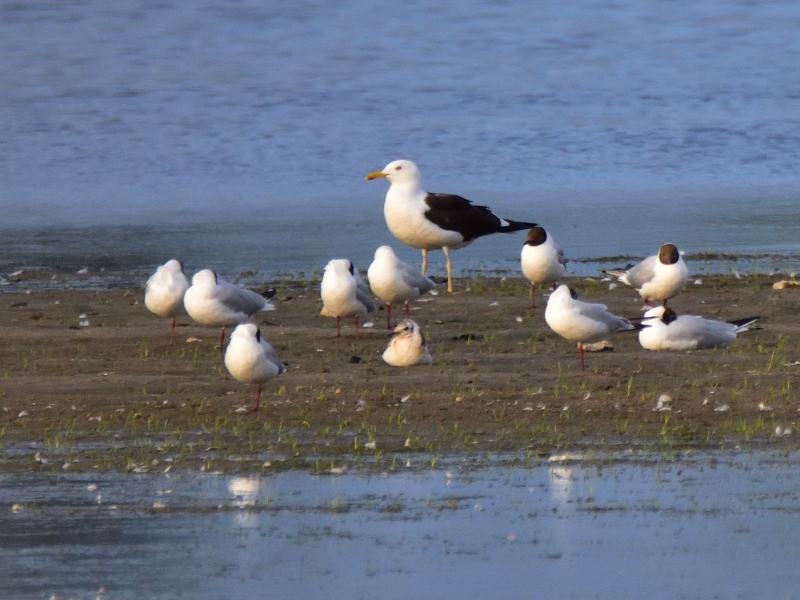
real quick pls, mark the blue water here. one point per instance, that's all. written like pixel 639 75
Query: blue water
pixel 237 134
pixel 702 526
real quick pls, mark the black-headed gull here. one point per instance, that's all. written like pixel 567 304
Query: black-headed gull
pixel 581 322
pixel 394 281
pixel 215 302
pixel 429 221
pixel 542 260
pixel 344 293
pixel 656 278
pixel 407 347
pixel 163 295
pixel 251 359
pixel 662 329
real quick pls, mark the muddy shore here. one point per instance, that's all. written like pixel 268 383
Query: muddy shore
pixel 105 391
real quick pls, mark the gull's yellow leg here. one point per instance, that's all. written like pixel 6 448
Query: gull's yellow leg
pixel 446 251
pixel 424 261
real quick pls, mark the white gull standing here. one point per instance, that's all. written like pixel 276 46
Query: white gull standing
pixel 658 277
pixel 662 329
pixel 407 347
pixel 344 293
pixel 430 221
pixel 251 359
pixel 163 295
pixel 394 281
pixel 542 260
pixel 215 302
pixel 581 322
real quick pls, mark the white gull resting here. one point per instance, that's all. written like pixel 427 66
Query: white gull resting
pixel 431 221
pixel 658 277
pixel 662 329
pixel 581 322
pixel 394 281
pixel 542 260
pixel 164 292
pixel 215 302
pixel 408 347
pixel 251 359
pixel 344 293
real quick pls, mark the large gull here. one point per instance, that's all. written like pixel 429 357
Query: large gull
pixel 430 221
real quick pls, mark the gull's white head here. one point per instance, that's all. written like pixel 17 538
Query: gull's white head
pixel 246 331
pixel 174 266
pixel 398 171
pixel 563 293
pixel 385 253
pixel 340 266
pixel 205 277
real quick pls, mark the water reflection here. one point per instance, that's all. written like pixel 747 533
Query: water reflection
pixel 565 526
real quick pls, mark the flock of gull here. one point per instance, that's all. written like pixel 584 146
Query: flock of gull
pixel 432 221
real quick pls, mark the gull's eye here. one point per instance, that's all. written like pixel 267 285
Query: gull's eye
pixel 398 168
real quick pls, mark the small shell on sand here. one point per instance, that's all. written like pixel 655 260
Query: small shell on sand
pixel 602 346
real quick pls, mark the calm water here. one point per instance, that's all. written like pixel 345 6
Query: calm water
pixel 237 134
pixel 704 526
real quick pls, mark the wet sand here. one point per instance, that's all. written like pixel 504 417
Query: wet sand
pixel 113 395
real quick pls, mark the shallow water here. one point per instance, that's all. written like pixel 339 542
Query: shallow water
pixel 633 526
pixel 237 134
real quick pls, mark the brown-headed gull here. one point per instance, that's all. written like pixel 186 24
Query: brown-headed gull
pixel 542 260
pixel 662 329
pixel 656 278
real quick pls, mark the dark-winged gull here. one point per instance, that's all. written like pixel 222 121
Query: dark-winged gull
pixel 430 221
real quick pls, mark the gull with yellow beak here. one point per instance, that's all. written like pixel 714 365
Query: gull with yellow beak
pixel 429 221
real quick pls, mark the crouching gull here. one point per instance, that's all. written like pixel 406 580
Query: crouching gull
pixel 250 359
pixel 581 322
pixel 394 281
pixel 662 329
pixel 344 293
pixel 429 221
pixel 658 277
pixel 408 347
pixel 163 295
pixel 542 260
pixel 214 302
